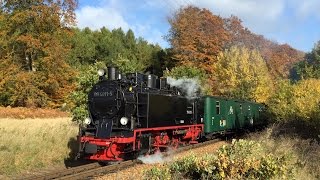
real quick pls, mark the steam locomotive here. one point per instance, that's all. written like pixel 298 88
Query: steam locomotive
pixel 136 114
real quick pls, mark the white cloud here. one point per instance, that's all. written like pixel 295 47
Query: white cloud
pixel 259 15
pixel 305 9
pixel 112 14
pixel 152 35
pixel 97 17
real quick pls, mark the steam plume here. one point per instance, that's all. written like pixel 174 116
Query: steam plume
pixel 188 86
pixel 158 157
pixel 152 159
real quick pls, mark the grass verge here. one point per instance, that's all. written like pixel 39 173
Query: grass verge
pixel 30 144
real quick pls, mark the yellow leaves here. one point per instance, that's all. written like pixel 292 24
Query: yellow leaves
pixel 299 102
pixel 306 97
pixel 221 173
pixel 242 73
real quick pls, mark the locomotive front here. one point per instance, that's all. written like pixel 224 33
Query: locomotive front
pixel 104 103
pixel 107 115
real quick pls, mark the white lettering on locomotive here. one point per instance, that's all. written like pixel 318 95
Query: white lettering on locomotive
pixel 103 94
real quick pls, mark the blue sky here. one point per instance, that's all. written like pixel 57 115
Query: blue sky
pixel 295 22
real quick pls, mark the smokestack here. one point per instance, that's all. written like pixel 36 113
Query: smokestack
pixel 113 73
pixel 152 81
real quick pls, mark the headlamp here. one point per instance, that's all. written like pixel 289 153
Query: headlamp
pixel 101 72
pixel 124 121
pixel 87 121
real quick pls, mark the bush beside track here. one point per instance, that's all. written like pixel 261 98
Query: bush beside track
pixel 264 155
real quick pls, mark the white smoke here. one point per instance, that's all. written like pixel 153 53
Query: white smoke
pixel 158 157
pixel 188 86
pixel 153 158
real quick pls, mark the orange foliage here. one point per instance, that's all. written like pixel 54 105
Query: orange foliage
pixel 279 58
pixel 22 113
pixel 197 36
pixel 35 49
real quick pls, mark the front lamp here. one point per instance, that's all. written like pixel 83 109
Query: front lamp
pixel 87 121
pixel 124 121
pixel 101 72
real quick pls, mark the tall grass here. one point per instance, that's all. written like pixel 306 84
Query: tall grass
pixel 305 153
pixel 30 144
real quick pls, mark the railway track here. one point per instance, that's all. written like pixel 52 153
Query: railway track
pixel 94 169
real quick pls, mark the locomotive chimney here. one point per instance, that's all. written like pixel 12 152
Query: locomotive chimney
pixel 113 73
pixel 152 81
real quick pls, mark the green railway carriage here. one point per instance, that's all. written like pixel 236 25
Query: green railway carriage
pixel 222 115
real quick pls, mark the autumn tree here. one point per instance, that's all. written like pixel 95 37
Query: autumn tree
pixel 242 73
pixel 297 102
pixel 310 66
pixel 34 51
pixel 196 36
pixel 280 58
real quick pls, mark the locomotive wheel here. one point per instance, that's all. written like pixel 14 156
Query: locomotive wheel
pixel 175 143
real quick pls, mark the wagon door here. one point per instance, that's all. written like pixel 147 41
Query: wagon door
pixel 216 115
pixel 231 115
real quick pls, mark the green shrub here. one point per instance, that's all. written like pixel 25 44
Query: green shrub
pixel 78 99
pixel 156 173
pixel 241 160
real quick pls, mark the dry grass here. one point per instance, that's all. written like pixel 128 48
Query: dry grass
pixel 305 153
pixel 30 144
pixel 22 113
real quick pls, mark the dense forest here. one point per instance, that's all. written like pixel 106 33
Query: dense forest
pixel 46 62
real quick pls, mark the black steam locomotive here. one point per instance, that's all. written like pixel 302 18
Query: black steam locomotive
pixel 136 114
